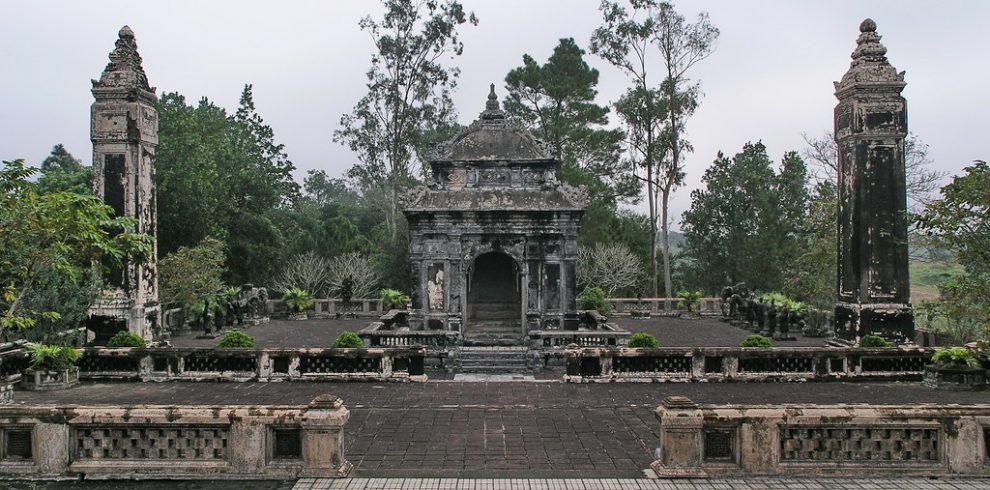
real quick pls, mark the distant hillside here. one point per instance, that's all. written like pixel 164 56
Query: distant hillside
pixel 677 241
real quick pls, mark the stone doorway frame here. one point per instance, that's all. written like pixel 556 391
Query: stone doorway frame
pixel 522 280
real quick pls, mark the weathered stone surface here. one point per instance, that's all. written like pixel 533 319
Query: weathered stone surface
pixel 870 127
pixel 124 132
pixel 493 236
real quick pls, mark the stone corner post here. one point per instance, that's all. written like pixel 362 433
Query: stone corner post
pixel 681 439
pixel 323 438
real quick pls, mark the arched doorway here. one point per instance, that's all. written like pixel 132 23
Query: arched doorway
pixel 494 299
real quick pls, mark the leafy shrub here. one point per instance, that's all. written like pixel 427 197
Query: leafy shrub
pixel 53 357
pixel 689 299
pixel 873 341
pixel 298 300
pixel 394 300
pixel 756 341
pixel 235 339
pixel 642 340
pixel 594 299
pixel 955 357
pixel 124 338
pixel 347 340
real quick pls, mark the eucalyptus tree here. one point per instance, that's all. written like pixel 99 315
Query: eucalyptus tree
pixel 655 108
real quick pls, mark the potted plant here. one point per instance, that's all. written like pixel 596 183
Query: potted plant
pixel 394 300
pixel 298 301
pixel 689 300
pixel 52 367
pixel 956 368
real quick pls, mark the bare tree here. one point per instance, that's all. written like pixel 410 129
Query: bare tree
pixel 352 275
pixel 923 180
pixel 307 271
pixel 611 267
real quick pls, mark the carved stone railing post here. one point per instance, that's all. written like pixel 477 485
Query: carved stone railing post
pixel 322 438
pixel 681 439
pixel 51 446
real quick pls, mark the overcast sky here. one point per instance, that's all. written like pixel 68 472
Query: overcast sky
pixel 770 78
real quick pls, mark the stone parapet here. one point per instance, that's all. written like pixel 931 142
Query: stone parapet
pixel 635 306
pixel 821 440
pixel 199 364
pixel 174 442
pixel 730 364
pixel 331 308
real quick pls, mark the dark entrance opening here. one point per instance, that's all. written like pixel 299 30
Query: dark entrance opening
pixel 494 300
pixel 104 328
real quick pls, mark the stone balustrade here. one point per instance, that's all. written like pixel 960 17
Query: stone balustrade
pixel 376 335
pixel 714 364
pixel 821 440
pixel 176 364
pixel 331 308
pixel 556 339
pixel 629 306
pixel 168 442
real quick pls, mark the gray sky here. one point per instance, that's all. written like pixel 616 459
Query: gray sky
pixel 770 78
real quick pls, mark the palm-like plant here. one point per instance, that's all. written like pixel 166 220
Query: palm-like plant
pixel 298 300
pixel 394 300
pixel 689 299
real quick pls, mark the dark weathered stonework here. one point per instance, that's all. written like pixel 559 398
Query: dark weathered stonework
pixel 493 235
pixel 124 132
pixel 870 126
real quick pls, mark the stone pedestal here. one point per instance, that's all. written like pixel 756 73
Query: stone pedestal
pixel 322 438
pixel 45 380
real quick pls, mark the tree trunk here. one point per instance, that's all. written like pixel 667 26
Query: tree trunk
pixel 653 226
pixel 667 285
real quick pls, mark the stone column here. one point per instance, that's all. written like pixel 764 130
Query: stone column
pixel 681 439
pixel 870 127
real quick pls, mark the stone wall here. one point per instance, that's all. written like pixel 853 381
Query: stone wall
pixel 727 364
pixel 835 440
pixel 159 442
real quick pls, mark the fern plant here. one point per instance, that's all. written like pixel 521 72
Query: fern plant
pixel 394 300
pixel 955 357
pixel 53 357
pixel 298 300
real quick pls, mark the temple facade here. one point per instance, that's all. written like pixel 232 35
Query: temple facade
pixel 870 127
pixel 493 235
pixel 124 132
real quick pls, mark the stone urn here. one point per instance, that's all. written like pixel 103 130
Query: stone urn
pixel 49 380
pixel 955 378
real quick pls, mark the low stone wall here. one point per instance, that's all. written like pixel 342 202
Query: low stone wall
pixel 556 339
pixel 834 440
pixel 332 308
pixel 174 442
pixel 726 364
pixel 628 306
pixel 376 335
pixel 198 364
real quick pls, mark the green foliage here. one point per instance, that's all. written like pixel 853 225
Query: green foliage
pixel 955 357
pixel 124 338
pixel 642 340
pixel 756 341
pixel 743 225
pixel 689 299
pixel 394 300
pixel 53 357
pixel 191 273
pixel 960 222
pixel 777 302
pixel 812 275
pixel 347 340
pixel 236 339
pixel 221 176
pixel 873 341
pixel 298 300
pixel 54 237
pixel 593 298
pixel 62 172
pixel 408 98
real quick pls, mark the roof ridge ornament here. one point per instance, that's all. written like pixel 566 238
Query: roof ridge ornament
pixel 492 108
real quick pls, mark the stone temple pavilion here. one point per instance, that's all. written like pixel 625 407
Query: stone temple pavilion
pixel 493 235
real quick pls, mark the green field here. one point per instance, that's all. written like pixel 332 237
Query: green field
pixel 926 277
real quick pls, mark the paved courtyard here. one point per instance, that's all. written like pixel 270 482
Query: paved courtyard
pixel 670 331
pixel 508 429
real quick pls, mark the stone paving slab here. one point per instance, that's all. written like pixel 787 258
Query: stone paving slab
pixel 644 484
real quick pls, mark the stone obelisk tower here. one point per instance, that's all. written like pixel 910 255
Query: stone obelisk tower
pixel 870 127
pixel 124 131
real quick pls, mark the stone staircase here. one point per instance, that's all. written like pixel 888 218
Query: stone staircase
pixel 493 360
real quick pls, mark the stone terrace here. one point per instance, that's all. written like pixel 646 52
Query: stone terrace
pixel 510 429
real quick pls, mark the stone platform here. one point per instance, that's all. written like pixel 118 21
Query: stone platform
pixel 642 484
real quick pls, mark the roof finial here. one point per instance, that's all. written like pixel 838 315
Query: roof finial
pixel 868 44
pixel 492 104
